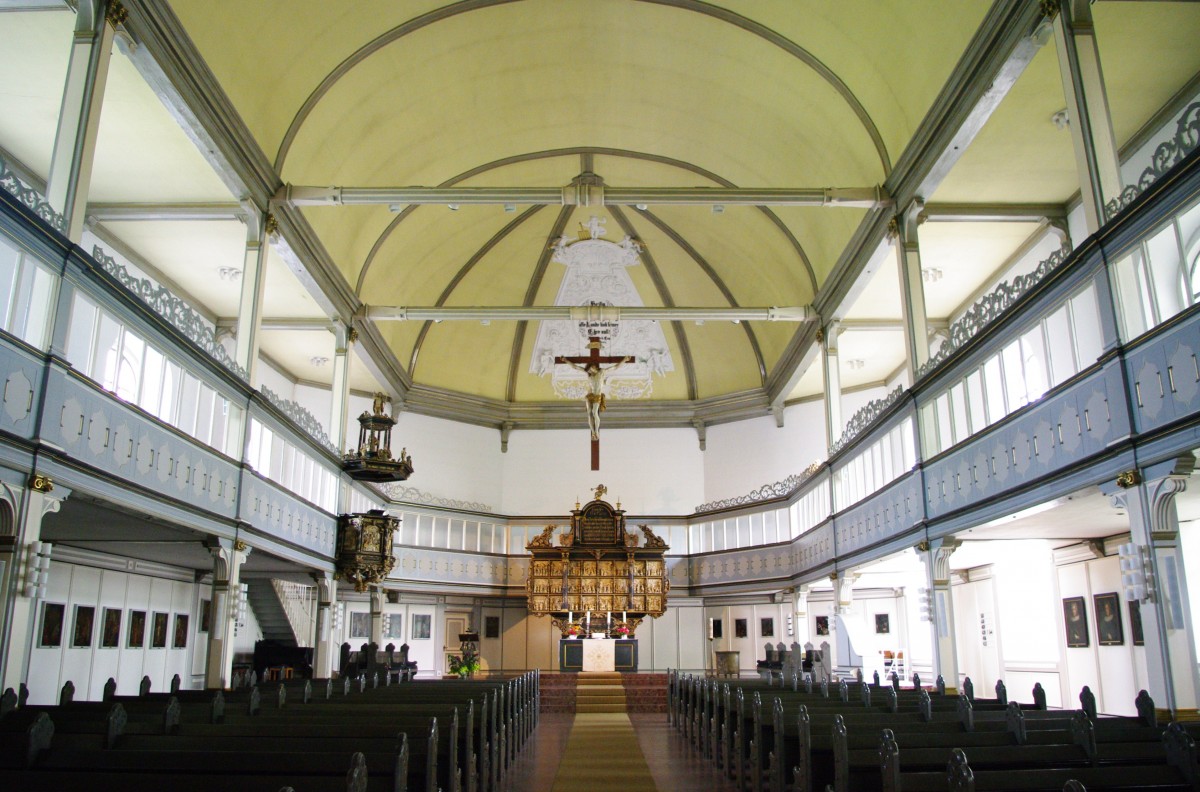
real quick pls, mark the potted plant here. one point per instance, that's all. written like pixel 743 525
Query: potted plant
pixel 573 630
pixel 621 631
pixel 465 665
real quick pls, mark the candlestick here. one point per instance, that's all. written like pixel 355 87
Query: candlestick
pixel 569 619
pixel 608 618
pixel 589 621
pixel 624 616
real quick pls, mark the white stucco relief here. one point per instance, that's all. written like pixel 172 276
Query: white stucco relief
pixel 597 275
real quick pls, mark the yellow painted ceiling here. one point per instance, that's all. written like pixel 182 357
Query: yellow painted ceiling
pixel 747 93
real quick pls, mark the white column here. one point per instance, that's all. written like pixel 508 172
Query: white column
pixel 1166 615
pixel 1087 109
pixel 79 115
pixel 912 287
pixel 324 649
pixel 935 555
pixel 801 634
pixel 340 389
pixel 833 382
pixel 228 556
pixel 254 279
pixel 377 600
pixel 20 612
pixel 843 597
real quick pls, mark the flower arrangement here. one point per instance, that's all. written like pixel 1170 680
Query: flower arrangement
pixel 466 665
pixel 621 631
pixel 573 629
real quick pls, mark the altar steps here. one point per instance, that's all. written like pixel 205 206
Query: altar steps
pixel 645 692
pixel 597 691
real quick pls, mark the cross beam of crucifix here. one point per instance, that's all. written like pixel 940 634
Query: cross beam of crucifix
pixel 590 365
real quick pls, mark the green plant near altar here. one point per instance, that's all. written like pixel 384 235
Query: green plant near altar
pixel 465 665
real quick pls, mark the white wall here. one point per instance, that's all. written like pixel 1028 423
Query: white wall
pixel 743 456
pixel 90 667
pixel 651 471
pixel 451 460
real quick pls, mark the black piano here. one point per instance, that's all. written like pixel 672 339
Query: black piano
pixel 286 661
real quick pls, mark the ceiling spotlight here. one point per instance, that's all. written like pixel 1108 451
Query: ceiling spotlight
pixel 510 208
pixel 931 274
pixel 854 364
pixel 485 322
pixel 229 273
pixel 718 209
pixel 640 207
pixel 736 321
pixel 1061 119
pixel 318 361
pixel 453 207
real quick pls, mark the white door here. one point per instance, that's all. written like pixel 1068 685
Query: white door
pixel 455 623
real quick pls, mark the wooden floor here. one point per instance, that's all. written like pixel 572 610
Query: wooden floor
pixel 673 765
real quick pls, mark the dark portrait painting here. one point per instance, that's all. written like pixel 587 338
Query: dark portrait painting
pixel 85 618
pixel 137 630
pixel 52 624
pixel 205 615
pixel 1075 619
pixel 739 628
pixel 768 627
pixel 822 625
pixel 491 626
pixel 1109 631
pixel 883 623
pixel 158 634
pixel 180 636
pixel 1135 623
pixel 110 635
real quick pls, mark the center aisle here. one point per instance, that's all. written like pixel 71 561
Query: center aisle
pixel 603 753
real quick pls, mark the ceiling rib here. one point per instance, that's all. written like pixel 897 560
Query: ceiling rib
pixel 717 280
pixel 586 194
pixel 535 284
pixel 584 313
pixel 587 152
pixel 462 273
pixel 664 294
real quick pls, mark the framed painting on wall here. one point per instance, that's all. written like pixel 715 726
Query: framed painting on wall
pixel 421 624
pixel 205 615
pixel 1135 623
pixel 110 635
pixel 822 625
pixel 360 625
pixel 1075 619
pixel 715 629
pixel 1109 631
pixel 158 632
pixel 52 624
pixel 491 626
pixel 180 636
pixel 767 627
pixel 883 624
pixel 739 628
pixel 85 617
pixel 137 630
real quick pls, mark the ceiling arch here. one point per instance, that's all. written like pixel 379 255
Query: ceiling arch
pixel 745 24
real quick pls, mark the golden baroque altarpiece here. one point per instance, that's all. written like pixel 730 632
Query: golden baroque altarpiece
pixel 596 576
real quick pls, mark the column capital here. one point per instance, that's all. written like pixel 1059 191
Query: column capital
pixel 935 555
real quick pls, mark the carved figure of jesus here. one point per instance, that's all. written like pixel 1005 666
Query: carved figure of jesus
pixel 594 398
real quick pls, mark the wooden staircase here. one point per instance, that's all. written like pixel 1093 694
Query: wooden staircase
pixel 597 691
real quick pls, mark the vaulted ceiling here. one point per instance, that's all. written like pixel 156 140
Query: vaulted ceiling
pixel 765 94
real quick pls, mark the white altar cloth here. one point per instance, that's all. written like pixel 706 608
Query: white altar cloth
pixel 598 655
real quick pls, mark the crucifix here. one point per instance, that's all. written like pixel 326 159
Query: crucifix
pixel 591 366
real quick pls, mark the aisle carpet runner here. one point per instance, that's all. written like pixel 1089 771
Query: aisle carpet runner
pixel 603 754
